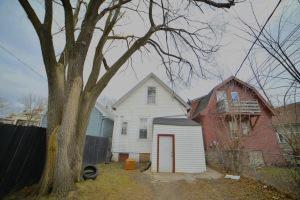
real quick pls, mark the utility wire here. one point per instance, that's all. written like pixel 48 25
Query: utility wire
pixel 21 61
pixel 270 16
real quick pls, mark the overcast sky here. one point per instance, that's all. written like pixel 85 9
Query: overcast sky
pixel 24 73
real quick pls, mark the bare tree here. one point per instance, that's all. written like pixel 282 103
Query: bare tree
pixel 179 39
pixel 275 65
pixel 287 126
pixel 275 62
pixel 32 107
pixel 228 146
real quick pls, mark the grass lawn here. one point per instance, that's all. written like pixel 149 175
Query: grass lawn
pixel 113 182
pixel 280 177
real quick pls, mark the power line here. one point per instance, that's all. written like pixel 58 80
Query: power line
pixel 21 61
pixel 270 16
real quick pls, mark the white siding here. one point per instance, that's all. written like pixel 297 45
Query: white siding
pixel 135 107
pixel 189 149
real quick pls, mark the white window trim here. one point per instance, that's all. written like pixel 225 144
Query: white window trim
pixel 155 99
pixel 238 96
pixel 122 128
pixel 224 95
pixel 147 129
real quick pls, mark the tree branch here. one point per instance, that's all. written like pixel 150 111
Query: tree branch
pixel 150 13
pixel 100 85
pixel 48 15
pixel 105 64
pixel 69 24
pixel 111 8
pixel 216 4
pixel 31 15
pixel 44 33
pixel 98 56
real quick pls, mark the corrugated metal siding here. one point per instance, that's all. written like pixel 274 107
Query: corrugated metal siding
pixel 135 107
pixel 189 149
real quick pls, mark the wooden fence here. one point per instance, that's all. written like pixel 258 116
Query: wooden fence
pixel 22 155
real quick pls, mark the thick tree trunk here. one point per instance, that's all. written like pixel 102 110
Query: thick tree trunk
pixel 54 117
pixel 63 178
pixel 86 107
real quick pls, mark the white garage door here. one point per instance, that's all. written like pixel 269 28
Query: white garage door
pixel 165 154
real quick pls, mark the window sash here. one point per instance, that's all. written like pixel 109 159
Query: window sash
pixel 221 95
pixel 233 128
pixel 235 97
pixel 151 95
pixel 143 134
pixel 124 128
pixel 143 131
pixel 246 127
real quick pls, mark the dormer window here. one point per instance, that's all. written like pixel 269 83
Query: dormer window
pixel 151 95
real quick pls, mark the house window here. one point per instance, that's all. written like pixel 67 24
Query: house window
pixel 124 128
pixel 221 95
pixel 143 128
pixel 234 97
pixel 151 97
pixel 281 138
pixel 246 127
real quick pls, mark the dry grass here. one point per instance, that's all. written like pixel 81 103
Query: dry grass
pixel 113 182
pixel 285 179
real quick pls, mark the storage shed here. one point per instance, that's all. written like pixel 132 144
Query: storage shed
pixel 177 146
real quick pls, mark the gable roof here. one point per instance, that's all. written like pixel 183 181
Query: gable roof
pixel 288 114
pixel 175 121
pixel 203 101
pixel 104 110
pixel 151 75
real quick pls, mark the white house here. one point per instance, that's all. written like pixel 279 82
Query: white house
pixel 151 124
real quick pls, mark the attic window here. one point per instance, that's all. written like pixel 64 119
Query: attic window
pixel 151 97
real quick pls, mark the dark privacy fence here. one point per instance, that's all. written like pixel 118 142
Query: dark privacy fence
pixel 22 155
pixel 95 149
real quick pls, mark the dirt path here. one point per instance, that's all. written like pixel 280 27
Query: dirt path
pixel 210 185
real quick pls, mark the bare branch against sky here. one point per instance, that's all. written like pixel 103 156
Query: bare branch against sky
pixel 278 45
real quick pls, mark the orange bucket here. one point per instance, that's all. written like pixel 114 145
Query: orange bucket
pixel 130 164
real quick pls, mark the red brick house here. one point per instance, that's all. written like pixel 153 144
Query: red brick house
pixel 235 116
pixel 287 126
